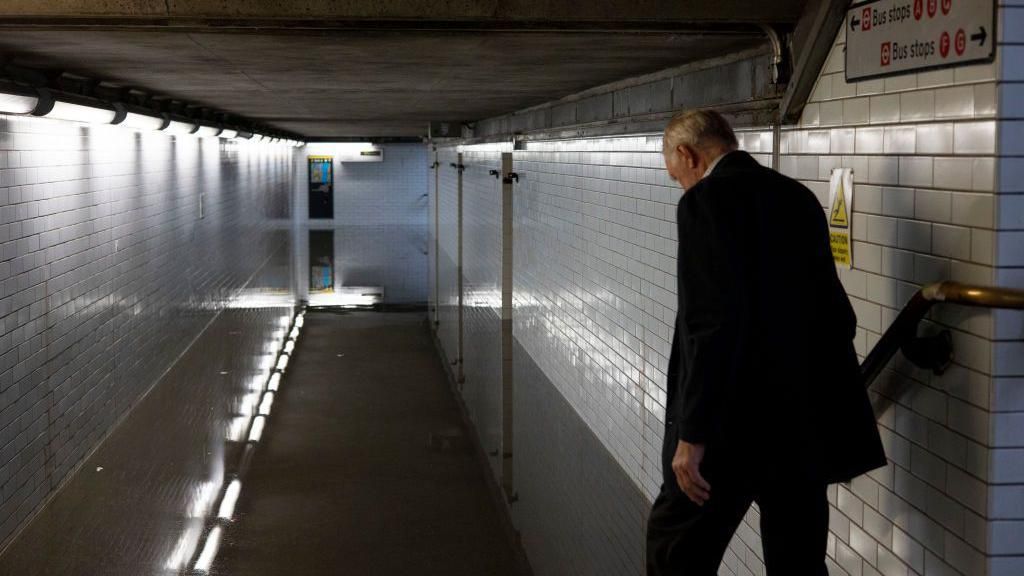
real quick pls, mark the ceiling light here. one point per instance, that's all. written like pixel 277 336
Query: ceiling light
pixel 80 113
pixel 227 505
pixel 17 103
pixel 209 552
pixel 268 401
pixel 179 128
pixel 228 133
pixel 142 122
pixel 207 131
pixel 256 432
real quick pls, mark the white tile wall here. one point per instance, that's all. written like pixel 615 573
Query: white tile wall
pixel 594 303
pixel 108 272
pixel 482 290
pixel 1006 245
pixel 380 220
pixel 448 254
pixel 925 210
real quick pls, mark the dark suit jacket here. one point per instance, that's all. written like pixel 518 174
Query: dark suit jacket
pixel 762 369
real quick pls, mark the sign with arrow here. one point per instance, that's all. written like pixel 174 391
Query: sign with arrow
pixel 890 37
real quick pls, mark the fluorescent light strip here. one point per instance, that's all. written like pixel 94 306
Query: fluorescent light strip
pixel 282 362
pixel 17 104
pixel 257 428
pixel 289 346
pixel 205 560
pixel 268 402
pixel 179 128
pixel 227 505
pixel 228 133
pixel 142 122
pixel 275 382
pixel 78 113
pixel 207 131
pixel 294 334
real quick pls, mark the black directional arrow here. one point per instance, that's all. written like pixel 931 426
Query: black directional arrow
pixel 980 36
pixel 854 22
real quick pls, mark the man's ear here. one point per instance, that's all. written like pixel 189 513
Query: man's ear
pixel 689 156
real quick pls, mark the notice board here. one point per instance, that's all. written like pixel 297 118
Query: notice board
pixel 890 37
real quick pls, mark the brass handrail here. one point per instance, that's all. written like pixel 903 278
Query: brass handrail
pixel 932 352
pixel 966 295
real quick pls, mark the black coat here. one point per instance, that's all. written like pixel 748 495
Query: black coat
pixel 762 368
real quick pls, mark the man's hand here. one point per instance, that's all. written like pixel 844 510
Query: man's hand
pixel 685 465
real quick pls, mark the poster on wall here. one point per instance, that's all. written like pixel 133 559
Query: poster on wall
pixel 840 216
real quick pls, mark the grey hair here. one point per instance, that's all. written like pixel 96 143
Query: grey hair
pixel 701 130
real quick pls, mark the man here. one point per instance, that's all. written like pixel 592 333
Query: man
pixel 764 403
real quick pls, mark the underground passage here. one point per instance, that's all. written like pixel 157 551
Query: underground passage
pixel 516 288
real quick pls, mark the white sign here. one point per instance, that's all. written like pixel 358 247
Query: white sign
pixel 840 216
pixel 886 37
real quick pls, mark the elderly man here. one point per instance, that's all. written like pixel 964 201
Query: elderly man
pixel 764 403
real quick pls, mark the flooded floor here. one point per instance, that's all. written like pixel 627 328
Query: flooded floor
pixel 362 466
pixel 349 480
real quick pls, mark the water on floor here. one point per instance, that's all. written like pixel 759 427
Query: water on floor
pixel 359 464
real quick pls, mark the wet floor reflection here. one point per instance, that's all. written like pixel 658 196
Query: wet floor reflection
pixel 143 502
pixel 153 497
pixel 359 265
pixel 321 261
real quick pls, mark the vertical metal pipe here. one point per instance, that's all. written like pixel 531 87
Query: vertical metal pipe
pixel 507 382
pixel 776 146
pixel 458 269
pixel 437 239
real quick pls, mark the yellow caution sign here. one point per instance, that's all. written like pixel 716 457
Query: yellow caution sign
pixel 840 200
pixel 840 217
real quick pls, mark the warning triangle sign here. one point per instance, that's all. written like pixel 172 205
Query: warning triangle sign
pixel 839 217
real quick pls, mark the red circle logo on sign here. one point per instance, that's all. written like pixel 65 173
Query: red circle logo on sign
pixel 947 5
pixel 933 6
pixel 918 9
pixel 961 42
pixel 944 44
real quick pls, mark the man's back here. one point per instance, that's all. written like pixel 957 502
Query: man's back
pixel 764 403
pixel 783 319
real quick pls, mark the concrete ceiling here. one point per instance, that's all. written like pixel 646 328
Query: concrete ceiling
pixel 337 69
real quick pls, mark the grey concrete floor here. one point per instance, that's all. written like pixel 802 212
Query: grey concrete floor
pixel 347 479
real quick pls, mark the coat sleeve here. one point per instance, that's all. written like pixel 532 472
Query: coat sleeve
pixel 703 295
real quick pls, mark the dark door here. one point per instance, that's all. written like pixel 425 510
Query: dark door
pixel 321 187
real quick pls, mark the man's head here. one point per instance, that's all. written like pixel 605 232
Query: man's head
pixel 693 139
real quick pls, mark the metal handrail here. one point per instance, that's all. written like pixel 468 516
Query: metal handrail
pixel 932 352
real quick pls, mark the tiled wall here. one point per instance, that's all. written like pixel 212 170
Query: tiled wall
pixel 108 272
pixel 448 235
pixel 923 150
pixel 482 306
pixel 380 220
pixel 1006 476
pixel 938 192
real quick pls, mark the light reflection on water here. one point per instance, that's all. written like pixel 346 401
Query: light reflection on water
pixel 390 259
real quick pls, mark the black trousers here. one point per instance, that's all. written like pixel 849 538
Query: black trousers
pixel 684 539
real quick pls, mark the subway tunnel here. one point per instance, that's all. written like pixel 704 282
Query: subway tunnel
pixel 387 288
